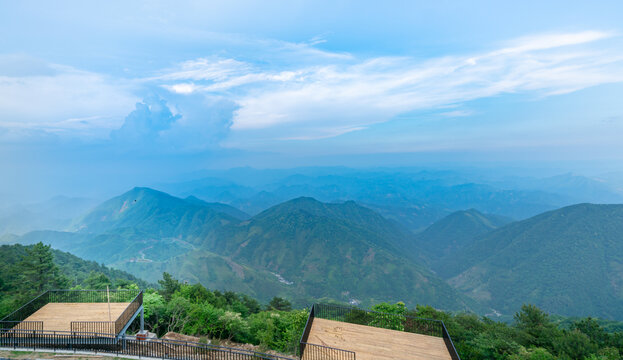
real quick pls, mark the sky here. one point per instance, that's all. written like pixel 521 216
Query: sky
pixel 100 96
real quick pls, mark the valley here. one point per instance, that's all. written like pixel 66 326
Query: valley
pixel 305 249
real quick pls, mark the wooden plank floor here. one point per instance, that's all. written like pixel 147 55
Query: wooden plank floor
pixel 370 343
pixel 58 316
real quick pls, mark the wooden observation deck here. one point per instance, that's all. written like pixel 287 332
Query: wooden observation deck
pixel 84 311
pixel 59 316
pixel 372 343
pixel 345 333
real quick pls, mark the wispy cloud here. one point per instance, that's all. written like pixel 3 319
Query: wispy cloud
pixel 313 93
pixel 57 98
pixel 331 98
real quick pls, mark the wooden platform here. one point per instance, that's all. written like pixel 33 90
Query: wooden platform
pixel 370 343
pixel 58 316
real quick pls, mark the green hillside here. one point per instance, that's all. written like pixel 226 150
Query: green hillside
pixel 340 251
pixel 455 232
pixel 568 261
pixel 219 207
pixel 153 213
pixel 15 279
pixel 302 249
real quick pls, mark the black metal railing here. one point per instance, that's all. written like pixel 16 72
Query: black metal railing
pixel 449 344
pixel 28 309
pixel 305 335
pixel 399 322
pixel 309 351
pixel 320 352
pixel 430 327
pixel 93 296
pixel 21 325
pixel 134 297
pixel 129 311
pixel 101 327
pixel 105 343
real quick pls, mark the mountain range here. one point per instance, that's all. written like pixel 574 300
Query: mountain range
pixel 568 260
pixel 301 249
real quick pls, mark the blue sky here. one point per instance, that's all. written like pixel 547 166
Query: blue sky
pixel 137 91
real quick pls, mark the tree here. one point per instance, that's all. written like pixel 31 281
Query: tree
pixel 575 345
pixel 168 286
pixel 38 269
pixel 97 280
pixel 389 316
pixel 591 328
pixel 537 329
pixel 280 304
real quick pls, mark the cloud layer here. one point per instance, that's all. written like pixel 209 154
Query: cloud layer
pixel 332 98
pixel 316 94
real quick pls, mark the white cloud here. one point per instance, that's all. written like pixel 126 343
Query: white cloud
pixel 330 98
pixel 63 99
pixel 309 93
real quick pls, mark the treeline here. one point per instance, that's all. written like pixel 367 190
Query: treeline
pixel 192 309
pixel 533 335
pixel 26 271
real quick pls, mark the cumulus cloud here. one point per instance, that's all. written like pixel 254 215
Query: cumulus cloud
pixel 331 98
pixel 178 124
pixel 146 122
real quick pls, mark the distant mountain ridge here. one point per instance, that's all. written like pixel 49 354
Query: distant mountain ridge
pixel 455 232
pixel 337 251
pixel 302 249
pixel 568 261
pixel 155 213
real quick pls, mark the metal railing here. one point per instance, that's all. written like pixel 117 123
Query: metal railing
pixel 305 335
pixel 430 327
pixel 309 351
pixel 21 325
pixel 101 327
pixel 93 296
pixel 449 344
pixel 129 311
pixel 398 322
pixel 320 352
pixel 134 297
pixel 29 308
pixel 105 343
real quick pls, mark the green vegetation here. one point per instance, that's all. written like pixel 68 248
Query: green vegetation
pixel 566 261
pixel 26 271
pixel 301 250
pixel 335 251
pixel 455 232
pixel 194 310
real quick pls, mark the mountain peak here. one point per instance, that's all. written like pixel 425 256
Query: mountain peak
pixel 457 231
pixel 577 249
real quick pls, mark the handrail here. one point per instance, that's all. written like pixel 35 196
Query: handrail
pixel 6 318
pixel 93 296
pixel 449 344
pixel 129 311
pixel 161 348
pixel 406 323
pixel 377 312
pixel 322 352
pixel 104 327
pixel 83 296
pixel 305 335
pixel 20 325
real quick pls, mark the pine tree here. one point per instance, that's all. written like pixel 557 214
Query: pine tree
pixel 38 270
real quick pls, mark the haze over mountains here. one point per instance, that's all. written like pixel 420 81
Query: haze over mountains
pixel 362 237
